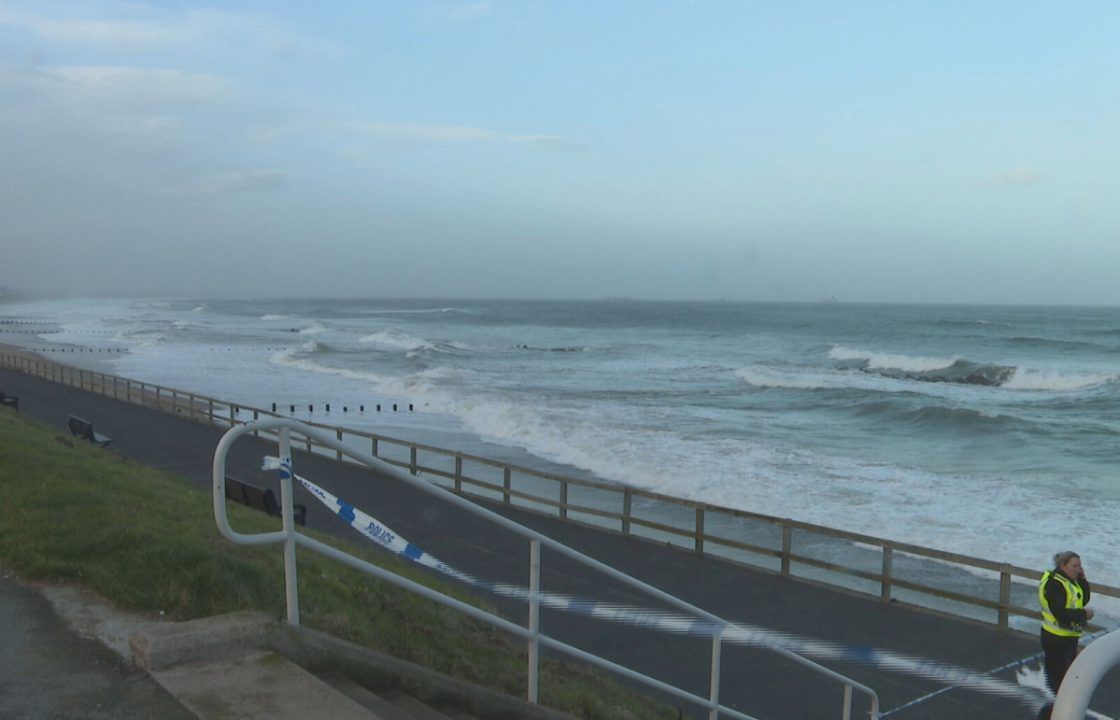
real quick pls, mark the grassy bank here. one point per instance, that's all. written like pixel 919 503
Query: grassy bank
pixel 146 541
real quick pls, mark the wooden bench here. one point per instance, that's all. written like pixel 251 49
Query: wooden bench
pixel 9 400
pixel 262 499
pixel 84 429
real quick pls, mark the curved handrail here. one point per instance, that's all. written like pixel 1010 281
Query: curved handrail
pixel 290 537
pixel 1084 675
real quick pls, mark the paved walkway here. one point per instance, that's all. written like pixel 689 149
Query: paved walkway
pixel 49 672
pixel 753 680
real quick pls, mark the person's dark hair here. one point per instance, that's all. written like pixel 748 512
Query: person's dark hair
pixel 1064 557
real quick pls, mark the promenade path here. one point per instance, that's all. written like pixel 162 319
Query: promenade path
pixel 755 681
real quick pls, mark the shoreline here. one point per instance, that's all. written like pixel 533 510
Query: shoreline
pixel 821 545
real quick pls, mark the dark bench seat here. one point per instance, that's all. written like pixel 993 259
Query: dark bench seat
pixel 262 499
pixel 9 400
pixel 84 429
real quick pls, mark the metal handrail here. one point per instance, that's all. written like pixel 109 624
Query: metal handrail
pixel 291 538
pixel 222 413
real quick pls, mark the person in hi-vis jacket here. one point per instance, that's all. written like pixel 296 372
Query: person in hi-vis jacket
pixel 1063 593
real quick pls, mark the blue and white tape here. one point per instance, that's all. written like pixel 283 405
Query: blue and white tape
pixel 668 622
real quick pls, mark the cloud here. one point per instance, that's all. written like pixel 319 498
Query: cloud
pixel 437 133
pixel 197 30
pixel 1019 177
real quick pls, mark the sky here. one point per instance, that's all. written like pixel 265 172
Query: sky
pixel 896 151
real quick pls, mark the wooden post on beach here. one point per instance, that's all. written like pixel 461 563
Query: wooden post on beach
pixel 563 499
pixel 506 483
pixel 412 460
pixel 338 436
pixel 626 502
pixel 458 473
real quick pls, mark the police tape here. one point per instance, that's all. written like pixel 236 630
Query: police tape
pixel 668 622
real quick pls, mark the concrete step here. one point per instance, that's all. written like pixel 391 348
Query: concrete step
pixel 418 709
pixel 257 685
pixel 367 698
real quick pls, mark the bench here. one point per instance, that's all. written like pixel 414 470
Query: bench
pixel 262 499
pixel 84 429
pixel 10 400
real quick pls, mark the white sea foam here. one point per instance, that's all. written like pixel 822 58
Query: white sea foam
pixel 1054 381
pixel 313 329
pixel 394 340
pixel 275 317
pixel 888 361
pixel 793 380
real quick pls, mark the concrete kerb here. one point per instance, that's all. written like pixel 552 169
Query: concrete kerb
pixel 165 645
pixel 155 645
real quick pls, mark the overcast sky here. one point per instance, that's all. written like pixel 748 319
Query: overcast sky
pixel 691 149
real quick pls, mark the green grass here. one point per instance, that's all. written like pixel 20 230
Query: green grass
pixel 146 541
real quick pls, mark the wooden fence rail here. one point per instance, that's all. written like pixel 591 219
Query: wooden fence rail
pixel 617 510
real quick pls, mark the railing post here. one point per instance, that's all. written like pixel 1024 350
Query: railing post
pixel 787 545
pixel 338 435
pixel 626 502
pixel 210 418
pixel 290 589
pixel 1004 594
pixel 507 484
pixel 373 447
pixel 564 499
pixel 888 563
pixel 713 695
pixel 847 713
pixel 699 546
pixel 412 461
pixel 534 618
pixel 458 473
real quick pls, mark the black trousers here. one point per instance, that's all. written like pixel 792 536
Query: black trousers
pixel 1060 652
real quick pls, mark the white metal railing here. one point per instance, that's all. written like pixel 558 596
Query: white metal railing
pixel 291 538
pixel 989 591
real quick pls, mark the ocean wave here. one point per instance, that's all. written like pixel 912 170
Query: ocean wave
pixel 925 369
pixel 276 317
pixel 773 378
pixel 1053 381
pixel 1034 341
pixel 574 348
pixel 888 361
pixel 413 346
pixel 313 329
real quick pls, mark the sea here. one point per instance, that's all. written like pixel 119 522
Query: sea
pixel 992 431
